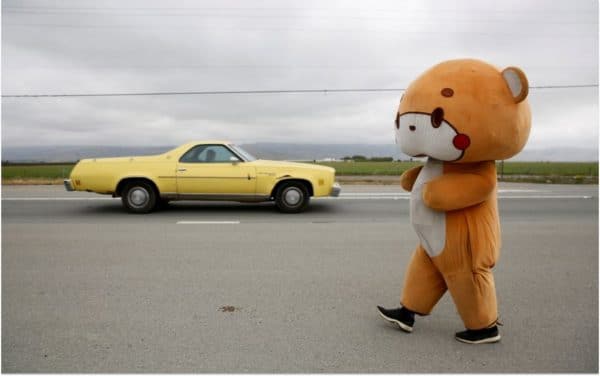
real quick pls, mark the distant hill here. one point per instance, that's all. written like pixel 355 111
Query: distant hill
pixel 73 153
pixel 321 151
pixel 260 150
pixel 266 151
pixel 559 155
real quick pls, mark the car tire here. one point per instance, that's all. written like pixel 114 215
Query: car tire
pixel 292 197
pixel 139 197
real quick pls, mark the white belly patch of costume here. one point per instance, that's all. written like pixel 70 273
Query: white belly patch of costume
pixel 429 224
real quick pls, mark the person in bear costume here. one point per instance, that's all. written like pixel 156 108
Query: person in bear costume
pixel 462 115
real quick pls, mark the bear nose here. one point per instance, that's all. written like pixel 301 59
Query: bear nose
pixel 412 127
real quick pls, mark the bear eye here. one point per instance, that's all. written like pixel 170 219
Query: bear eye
pixel 437 116
pixel 397 121
pixel 447 92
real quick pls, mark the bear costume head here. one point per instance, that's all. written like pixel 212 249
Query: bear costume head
pixel 464 111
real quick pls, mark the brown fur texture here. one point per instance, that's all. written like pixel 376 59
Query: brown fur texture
pixel 477 101
pixel 482 107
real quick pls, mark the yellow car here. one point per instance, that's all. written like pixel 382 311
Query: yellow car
pixel 206 170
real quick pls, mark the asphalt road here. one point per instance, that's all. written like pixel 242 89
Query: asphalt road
pixel 227 287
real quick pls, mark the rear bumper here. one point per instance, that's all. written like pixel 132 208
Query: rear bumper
pixel 68 185
pixel 335 190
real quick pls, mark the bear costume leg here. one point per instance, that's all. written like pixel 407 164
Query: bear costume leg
pixel 471 286
pixel 474 295
pixel 424 285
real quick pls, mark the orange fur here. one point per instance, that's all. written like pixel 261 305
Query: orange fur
pixel 496 118
pixel 482 107
pixel 476 182
pixel 407 179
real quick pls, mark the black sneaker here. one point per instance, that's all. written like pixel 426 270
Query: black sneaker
pixel 487 335
pixel 404 318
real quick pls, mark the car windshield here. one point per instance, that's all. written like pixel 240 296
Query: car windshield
pixel 243 153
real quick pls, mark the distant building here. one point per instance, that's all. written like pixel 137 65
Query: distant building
pixel 328 160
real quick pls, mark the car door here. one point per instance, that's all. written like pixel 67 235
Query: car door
pixel 214 171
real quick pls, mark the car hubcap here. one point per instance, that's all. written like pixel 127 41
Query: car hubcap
pixel 292 196
pixel 138 197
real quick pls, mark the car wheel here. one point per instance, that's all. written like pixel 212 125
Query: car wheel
pixel 139 197
pixel 292 197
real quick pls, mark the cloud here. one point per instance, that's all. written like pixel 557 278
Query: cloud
pixel 136 46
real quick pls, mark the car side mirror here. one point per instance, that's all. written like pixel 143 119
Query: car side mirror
pixel 234 160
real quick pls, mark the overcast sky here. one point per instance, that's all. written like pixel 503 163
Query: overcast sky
pixel 118 46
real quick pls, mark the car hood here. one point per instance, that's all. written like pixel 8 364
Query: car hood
pixel 285 164
pixel 149 158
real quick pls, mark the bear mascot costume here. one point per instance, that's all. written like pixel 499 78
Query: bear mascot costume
pixel 462 115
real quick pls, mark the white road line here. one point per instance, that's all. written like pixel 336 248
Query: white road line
pixel 364 198
pixel 548 196
pixel 57 198
pixel 375 194
pixel 517 190
pixel 208 222
pixel 391 196
pixel 408 193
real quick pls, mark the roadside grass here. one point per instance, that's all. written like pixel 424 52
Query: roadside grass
pixel 549 168
pixel 42 171
pixel 542 172
pixel 32 181
pixel 370 168
pixel 509 168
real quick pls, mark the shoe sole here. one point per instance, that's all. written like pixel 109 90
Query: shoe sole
pixel 401 325
pixel 480 341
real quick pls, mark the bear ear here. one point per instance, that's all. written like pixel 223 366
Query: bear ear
pixel 517 83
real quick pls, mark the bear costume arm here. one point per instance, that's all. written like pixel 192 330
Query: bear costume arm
pixel 460 189
pixel 407 179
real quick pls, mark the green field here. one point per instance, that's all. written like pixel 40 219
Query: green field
pixel 370 168
pixel 510 168
pixel 49 171
pixel 565 169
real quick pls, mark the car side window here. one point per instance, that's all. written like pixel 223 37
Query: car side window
pixel 209 154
